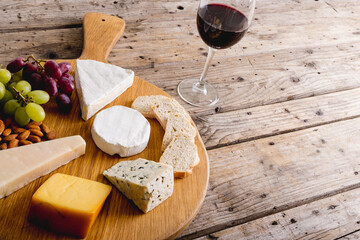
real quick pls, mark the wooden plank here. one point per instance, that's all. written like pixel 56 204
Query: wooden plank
pixel 243 125
pixel 45 44
pixel 257 178
pixel 351 236
pixel 327 218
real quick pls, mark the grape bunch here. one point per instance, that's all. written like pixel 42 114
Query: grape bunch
pixel 17 99
pixel 51 77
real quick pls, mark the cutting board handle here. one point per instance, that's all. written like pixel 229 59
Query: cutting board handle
pixel 101 32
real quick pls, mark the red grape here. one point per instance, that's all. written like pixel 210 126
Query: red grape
pixel 65 85
pixel 69 76
pixel 52 69
pixel 50 86
pixel 64 103
pixel 65 67
pixel 16 65
pixel 36 81
pixel 29 69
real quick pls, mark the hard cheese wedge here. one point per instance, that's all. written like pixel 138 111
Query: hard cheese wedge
pixel 19 166
pixel 68 204
pixel 98 84
pixel 145 182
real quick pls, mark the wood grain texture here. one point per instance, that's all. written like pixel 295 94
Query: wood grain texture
pixel 327 218
pixel 254 179
pixel 221 129
pixel 351 236
pixel 119 217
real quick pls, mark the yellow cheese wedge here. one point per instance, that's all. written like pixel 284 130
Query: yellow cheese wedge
pixel 20 166
pixel 68 204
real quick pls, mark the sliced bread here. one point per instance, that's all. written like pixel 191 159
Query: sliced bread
pixel 182 155
pixel 143 104
pixel 177 124
pixel 163 109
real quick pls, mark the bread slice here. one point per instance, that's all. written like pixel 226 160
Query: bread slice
pixel 163 109
pixel 177 124
pixel 182 155
pixel 143 104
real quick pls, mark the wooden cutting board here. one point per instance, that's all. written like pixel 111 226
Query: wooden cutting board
pixel 119 218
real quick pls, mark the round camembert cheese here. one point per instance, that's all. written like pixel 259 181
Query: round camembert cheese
pixel 120 130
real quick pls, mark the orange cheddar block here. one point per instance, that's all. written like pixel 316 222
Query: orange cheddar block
pixel 68 204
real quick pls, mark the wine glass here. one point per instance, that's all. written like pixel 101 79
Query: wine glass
pixel 221 24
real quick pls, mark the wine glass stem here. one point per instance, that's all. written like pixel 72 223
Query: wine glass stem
pixel 200 85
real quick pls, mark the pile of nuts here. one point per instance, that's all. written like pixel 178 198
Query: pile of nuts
pixel 11 135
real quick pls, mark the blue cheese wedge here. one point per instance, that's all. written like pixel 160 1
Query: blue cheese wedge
pixel 98 84
pixel 146 183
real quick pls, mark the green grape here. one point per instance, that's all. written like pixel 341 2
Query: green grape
pixel 16 78
pixel 23 87
pixel 2 90
pixel 35 112
pixel 11 106
pixel 10 88
pixel 39 96
pixel 19 73
pixel 8 96
pixel 5 76
pixel 21 117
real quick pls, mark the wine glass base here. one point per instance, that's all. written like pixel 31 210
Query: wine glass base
pixel 200 97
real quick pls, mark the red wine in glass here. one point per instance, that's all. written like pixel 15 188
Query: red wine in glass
pixel 221 26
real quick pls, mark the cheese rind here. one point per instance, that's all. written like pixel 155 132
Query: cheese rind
pixel 120 130
pixel 20 166
pixel 68 204
pixel 98 84
pixel 146 183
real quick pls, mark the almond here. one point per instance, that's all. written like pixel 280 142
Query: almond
pixel 7 121
pixel 10 137
pixel 24 135
pixel 45 128
pixel 33 126
pixel 24 142
pixel 7 132
pixel 36 132
pixel 3 146
pixel 34 139
pixel 51 135
pixel 19 130
pixel 13 143
pixel 2 126
pixel 36 123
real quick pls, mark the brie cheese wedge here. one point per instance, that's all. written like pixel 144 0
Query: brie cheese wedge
pixel 98 84
pixel 120 130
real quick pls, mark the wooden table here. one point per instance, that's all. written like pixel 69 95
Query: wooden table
pixel 284 140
